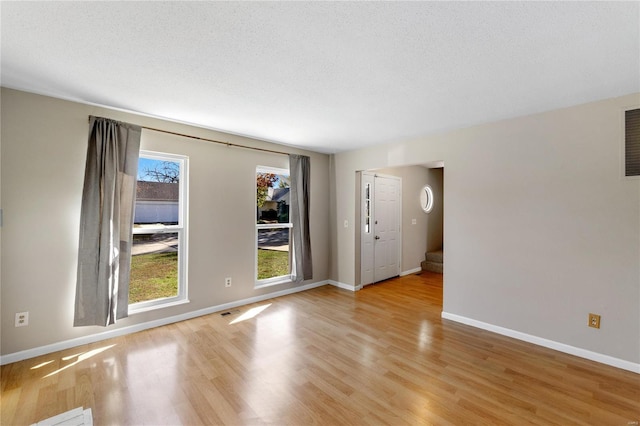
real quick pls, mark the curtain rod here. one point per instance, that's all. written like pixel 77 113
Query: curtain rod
pixel 229 144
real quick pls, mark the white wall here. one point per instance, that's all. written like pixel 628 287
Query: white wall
pixel 540 227
pixel 44 143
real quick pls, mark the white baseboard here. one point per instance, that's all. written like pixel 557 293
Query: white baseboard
pixel 66 344
pixel 411 271
pixel 561 347
pixel 359 287
pixel 345 286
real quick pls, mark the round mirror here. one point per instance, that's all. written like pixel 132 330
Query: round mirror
pixel 426 198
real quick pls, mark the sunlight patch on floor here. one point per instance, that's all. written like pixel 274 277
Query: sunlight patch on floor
pixel 251 313
pixel 81 357
pixel 42 364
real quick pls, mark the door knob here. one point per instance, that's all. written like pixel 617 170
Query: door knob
pixel 377 238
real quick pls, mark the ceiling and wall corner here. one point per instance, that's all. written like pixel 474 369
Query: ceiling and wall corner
pixel 324 76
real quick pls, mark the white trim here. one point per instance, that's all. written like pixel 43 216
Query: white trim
pixel 426 199
pixel 410 271
pixel 373 174
pixel 268 282
pixel 66 344
pixel 156 228
pixel 282 279
pixel 181 229
pixel 153 307
pixel 366 238
pixel 551 344
pixel 273 170
pixel 345 286
pixel 274 225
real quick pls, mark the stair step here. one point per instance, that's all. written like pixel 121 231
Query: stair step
pixel 435 256
pixel 432 266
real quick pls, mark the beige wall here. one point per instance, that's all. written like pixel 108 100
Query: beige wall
pixel 540 226
pixel 44 142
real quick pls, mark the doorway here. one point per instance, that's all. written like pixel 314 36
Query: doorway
pixel 380 236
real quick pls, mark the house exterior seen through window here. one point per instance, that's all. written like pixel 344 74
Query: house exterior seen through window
pixel 158 252
pixel 273 227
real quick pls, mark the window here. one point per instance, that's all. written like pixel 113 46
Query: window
pixel 632 142
pixel 158 273
pixel 367 208
pixel 426 199
pixel 273 228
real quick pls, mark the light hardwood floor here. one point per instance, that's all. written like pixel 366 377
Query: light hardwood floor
pixel 326 356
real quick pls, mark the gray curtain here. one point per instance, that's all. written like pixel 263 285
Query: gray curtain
pixel 106 222
pixel 299 170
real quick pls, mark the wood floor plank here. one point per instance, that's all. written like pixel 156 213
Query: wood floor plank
pixel 325 356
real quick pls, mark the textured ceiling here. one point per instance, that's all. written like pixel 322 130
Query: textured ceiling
pixel 324 76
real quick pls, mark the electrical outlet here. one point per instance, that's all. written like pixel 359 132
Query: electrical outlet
pixel 22 319
pixel 594 320
pixel 227 282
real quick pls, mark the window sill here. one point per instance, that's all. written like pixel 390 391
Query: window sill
pixel 133 311
pixel 273 281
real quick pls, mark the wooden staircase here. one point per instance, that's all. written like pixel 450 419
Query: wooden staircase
pixel 434 261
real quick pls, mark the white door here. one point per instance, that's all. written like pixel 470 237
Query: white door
pixel 380 232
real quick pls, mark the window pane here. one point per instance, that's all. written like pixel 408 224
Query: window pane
pixel 273 252
pixel 157 192
pixel 156 259
pixel 272 197
pixel 367 204
pixel 154 267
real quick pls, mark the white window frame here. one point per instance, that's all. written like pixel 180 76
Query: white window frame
pixel 282 278
pixel 180 229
